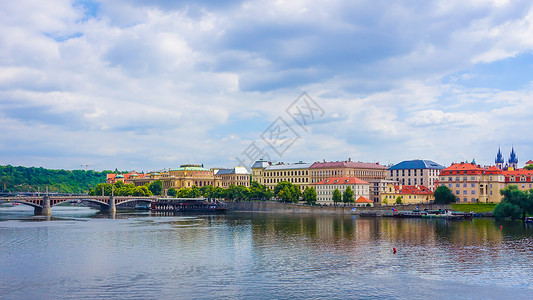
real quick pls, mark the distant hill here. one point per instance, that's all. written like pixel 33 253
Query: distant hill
pixel 22 179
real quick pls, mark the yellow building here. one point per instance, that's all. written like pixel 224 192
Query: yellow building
pixel 185 176
pixel 409 194
pixel 471 183
pixel 270 175
pixel 235 176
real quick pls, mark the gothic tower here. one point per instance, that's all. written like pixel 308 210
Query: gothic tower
pixel 513 160
pixel 499 160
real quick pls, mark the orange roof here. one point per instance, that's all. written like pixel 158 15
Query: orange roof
pixel 468 169
pixel 342 180
pixel 362 199
pixel 520 172
pixel 412 190
pixel 529 162
pixel 111 176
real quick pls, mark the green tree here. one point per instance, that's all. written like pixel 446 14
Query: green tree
pixel 309 195
pixel 515 203
pixel 142 191
pixel 336 196
pixel 287 191
pixel 443 195
pixel 172 192
pixel 259 192
pixel 347 196
pixel 195 192
pixel 206 191
pixel 184 193
pixel 399 200
pixel 237 192
pixel 218 193
pixel 529 167
pixel 156 187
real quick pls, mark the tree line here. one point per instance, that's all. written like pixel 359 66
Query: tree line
pixel 24 179
pixel 284 191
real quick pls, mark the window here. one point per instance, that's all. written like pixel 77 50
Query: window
pixel 457 192
pixel 457 185
pixel 473 178
pixel 464 184
pixel 473 185
pixel 473 192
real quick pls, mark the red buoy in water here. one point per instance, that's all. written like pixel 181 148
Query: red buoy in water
pixel 394 250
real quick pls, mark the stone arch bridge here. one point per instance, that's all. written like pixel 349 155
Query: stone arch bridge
pixel 43 204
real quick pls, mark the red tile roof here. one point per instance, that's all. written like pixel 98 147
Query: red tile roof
pixel 468 169
pixel 342 180
pixel 362 199
pixel 529 162
pixel 346 164
pixel 412 190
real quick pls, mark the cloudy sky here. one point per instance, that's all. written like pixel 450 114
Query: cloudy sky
pixel 146 85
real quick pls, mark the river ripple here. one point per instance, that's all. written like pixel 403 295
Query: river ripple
pixel 81 254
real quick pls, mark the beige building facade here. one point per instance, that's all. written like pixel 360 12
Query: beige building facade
pixel 410 194
pixel 270 175
pixel 324 188
pixel 471 183
pixel 235 176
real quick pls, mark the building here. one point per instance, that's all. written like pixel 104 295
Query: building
pixel 362 202
pixel 471 183
pixel 378 187
pixel 521 178
pixel 235 176
pixel 415 172
pixel 324 188
pixel 270 175
pixel 126 178
pixel 365 171
pixel 185 176
pixel 409 194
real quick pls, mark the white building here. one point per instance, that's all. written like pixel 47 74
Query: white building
pixel 324 188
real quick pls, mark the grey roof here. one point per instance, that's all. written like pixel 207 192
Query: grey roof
pixel 288 167
pixel 416 164
pixel 260 164
pixel 236 170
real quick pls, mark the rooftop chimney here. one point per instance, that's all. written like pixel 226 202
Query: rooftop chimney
pixel 349 159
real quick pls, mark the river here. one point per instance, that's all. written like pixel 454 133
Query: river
pixel 81 254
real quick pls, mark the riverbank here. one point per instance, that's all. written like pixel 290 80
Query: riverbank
pixel 484 210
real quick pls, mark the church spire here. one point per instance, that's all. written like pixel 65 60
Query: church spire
pixel 499 157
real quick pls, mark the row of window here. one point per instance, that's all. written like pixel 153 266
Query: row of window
pixel 291 180
pixel 286 173
pixel 432 172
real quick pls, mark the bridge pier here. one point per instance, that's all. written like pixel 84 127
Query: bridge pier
pixel 112 206
pixel 46 209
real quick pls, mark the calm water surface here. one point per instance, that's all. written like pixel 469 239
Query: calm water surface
pixel 78 253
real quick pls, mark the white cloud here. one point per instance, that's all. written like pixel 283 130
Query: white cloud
pixel 141 86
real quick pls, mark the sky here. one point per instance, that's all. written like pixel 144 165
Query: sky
pixel 150 85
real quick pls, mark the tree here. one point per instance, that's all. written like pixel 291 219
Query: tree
pixel 237 192
pixel 309 195
pixel 172 192
pixel 515 203
pixel 529 167
pixel 195 192
pixel 184 193
pixel 443 195
pixel 399 200
pixel 156 187
pixel 347 196
pixel 259 192
pixel 142 191
pixel 336 196
pixel 206 191
pixel 287 191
